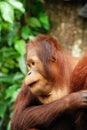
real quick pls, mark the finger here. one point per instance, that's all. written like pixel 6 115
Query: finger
pixel 85 100
pixel 84 94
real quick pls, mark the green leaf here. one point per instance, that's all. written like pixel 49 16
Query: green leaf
pixel 4 70
pixel 15 95
pixel 44 21
pixel 10 91
pixel 7 12
pixel 18 76
pixel 17 5
pixel 34 22
pixel 11 35
pixel 22 65
pixel 26 32
pixel 6 79
pixel 9 126
pixel 20 46
pixel 3 107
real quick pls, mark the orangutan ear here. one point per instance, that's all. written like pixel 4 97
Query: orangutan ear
pixel 53 59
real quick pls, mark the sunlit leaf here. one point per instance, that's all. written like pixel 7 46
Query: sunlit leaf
pixel 7 12
pixel 22 64
pixel 10 91
pixel 15 95
pixel 18 76
pixel 26 32
pixel 20 46
pixel 11 35
pixel 34 22
pixel 31 37
pixel 44 20
pixel 9 126
pixel 17 5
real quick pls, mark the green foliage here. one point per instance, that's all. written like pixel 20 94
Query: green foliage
pixel 5 10
pixel 20 46
pixel 19 22
pixel 34 23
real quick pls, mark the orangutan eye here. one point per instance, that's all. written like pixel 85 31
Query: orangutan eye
pixel 33 63
pixel 28 65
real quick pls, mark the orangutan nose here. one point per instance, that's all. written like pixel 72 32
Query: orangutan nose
pixel 29 73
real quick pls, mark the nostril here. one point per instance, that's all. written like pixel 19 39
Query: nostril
pixel 29 73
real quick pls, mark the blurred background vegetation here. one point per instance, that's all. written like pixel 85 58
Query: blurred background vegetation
pixel 20 20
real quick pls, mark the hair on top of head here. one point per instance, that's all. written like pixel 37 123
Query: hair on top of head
pixel 45 44
pixel 46 47
pixel 48 39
